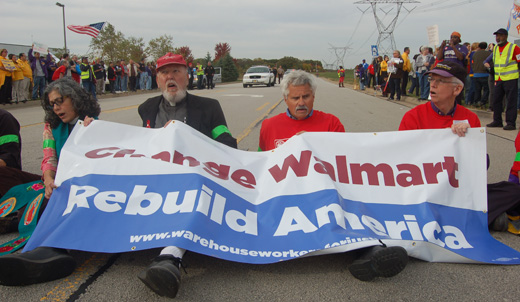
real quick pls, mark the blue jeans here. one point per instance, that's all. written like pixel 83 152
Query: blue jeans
pixel 424 85
pixel 124 83
pixel 415 85
pixel 149 82
pixel 362 84
pixel 118 83
pixel 471 93
pixel 142 80
pixel 89 87
pixel 39 85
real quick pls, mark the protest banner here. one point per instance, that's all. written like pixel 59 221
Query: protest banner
pixel 433 35
pixel 41 48
pixel 8 64
pixel 125 188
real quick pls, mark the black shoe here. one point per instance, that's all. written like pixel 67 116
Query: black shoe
pixel 163 275
pixel 500 223
pixel 509 127
pixel 379 261
pixel 42 264
pixel 494 125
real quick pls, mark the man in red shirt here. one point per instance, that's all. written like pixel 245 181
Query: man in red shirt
pixel 299 89
pixel 446 83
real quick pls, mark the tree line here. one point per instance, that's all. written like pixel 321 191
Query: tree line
pixel 112 46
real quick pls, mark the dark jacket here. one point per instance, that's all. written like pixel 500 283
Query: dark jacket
pixel 204 115
pixel 33 61
pixel 10 140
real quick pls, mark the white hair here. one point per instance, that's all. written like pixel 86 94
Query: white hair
pixel 298 78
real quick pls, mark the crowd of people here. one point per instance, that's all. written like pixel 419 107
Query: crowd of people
pixel 65 102
pixel 484 76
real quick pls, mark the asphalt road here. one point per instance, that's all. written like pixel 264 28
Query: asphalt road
pixel 107 277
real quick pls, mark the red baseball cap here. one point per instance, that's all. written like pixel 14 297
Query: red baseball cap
pixel 169 59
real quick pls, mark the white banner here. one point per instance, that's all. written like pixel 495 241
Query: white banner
pixel 433 35
pixel 124 188
pixel 41 48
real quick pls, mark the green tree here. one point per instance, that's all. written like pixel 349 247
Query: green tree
pixel 158 47
pixel 229 69
pixel 109 44
pixel 134 49
pixel 290 63
pixel 208 57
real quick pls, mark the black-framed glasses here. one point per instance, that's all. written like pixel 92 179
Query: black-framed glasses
pixel 57 101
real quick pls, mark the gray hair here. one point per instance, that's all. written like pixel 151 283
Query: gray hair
pixel 298 78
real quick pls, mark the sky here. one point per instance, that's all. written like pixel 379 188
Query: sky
pixel 268 29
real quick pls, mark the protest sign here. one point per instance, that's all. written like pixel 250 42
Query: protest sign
pixel 124 188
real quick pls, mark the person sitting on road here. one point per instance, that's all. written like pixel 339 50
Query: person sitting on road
pixel 11 173
pixel 299 90
pixel 204 115
pixel 64 102
pixel 446 83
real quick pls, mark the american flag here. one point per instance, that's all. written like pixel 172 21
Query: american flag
pixel 91 30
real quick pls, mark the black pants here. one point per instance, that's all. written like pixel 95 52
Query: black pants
pixel 481 84
pixel 6 91
pixel 503 197
pixel 404 83
pixel 209 78
pixel 395 87
pixel 10 177
pixel 510 90
pixel 132 83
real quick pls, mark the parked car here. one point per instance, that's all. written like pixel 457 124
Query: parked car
pixel 258 75
pixel 217 77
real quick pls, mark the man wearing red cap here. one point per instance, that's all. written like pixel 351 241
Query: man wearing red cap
pixel 203 114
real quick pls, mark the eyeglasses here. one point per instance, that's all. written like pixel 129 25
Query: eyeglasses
pixel 58 101
pixel 440 81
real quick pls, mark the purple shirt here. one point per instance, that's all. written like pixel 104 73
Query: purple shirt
pixel 449 53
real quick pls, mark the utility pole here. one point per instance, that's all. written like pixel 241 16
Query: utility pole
pixel 385 41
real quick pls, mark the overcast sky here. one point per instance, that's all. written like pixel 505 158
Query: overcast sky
pixel 269 29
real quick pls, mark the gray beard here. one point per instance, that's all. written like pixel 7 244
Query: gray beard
pixel 174 99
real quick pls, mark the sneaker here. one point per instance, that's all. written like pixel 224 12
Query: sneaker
pixel 500 223
pixel 42 264
pixel 379 261
pixel 509 127
pixel 163 275
pixel 494 124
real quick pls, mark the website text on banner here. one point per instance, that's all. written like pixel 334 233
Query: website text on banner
pixel 132 188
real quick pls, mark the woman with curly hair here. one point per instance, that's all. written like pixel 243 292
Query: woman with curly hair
pixel 64 102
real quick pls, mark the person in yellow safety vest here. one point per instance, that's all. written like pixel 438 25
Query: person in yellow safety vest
pixel 88 79
pixel 200 75
pixel 506 57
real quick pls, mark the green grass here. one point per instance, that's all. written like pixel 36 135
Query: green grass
pixel 333 75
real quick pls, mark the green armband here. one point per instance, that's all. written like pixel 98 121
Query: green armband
pixel 49 143
pixel 9 138
pixel 517 157
pixel 217 131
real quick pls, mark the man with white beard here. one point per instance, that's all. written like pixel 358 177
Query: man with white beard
pixel 203 114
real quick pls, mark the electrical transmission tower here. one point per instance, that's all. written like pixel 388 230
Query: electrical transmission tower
pixel 340 54
pixel 385 41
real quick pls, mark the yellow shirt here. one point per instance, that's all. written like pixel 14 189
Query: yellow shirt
pixel 17 73
pixel 406 64
pixel 384 66
pixel 26 68
pixel 3 73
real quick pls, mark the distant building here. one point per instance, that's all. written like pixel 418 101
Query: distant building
pixel 17 48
